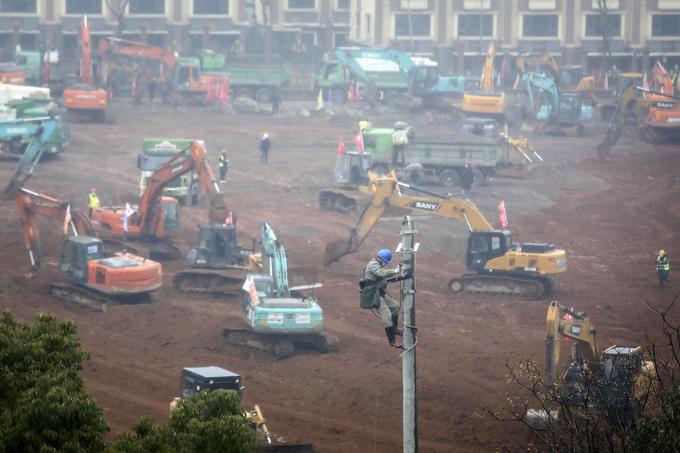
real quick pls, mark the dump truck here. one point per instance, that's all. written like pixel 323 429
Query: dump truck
pixel 479 142
pixel 383 75
pixel 155 153
pixel 253 82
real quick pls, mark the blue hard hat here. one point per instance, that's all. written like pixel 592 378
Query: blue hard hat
pixel 385 255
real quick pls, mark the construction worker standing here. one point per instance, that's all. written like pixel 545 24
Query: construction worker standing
pixel 373 291
pixel 223 164
pixel 265 146
pixel 663 267
pixel 93 200
pixel 466 179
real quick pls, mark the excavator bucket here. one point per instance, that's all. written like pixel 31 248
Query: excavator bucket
pixel 219 209
pixel 336 250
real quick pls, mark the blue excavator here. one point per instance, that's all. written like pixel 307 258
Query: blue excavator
pixel 279 317
pixel 555 112
pixel 42 132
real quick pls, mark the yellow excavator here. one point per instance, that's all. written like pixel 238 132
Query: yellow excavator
pixel 617 379
pixel 485 101
pixel 499 266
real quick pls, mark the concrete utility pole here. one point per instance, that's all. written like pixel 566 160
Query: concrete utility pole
pixel 407 253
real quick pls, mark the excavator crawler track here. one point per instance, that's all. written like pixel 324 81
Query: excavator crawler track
pixel 281 346
pixel 523 287
pixel 95 300
pixel 220 283
pixel 337 202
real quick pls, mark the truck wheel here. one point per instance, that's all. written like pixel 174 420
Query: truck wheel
pixel 264 95
pixel 449 177
pixel 338 95
pixel 244 93
pixel 478 176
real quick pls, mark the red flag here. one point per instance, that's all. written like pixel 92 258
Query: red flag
pixel 341 146
pixel 359 140
pixel 502 216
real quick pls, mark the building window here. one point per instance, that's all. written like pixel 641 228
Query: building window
pixel 594 26
pixel 476 4
pixel 18 6
pixel 211 7
pixel 301 4
pixel 147 6
pixel 83 6
pixel 664 25
pixel 368 24
pixel 540 25
pixel 343 4
pixel 475 25
pixel 420 25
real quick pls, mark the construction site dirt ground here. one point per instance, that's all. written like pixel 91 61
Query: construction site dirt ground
pixel 610 217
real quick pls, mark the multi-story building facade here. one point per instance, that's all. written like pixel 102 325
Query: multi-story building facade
pixel 186 25
pixel 459 31
pixel 456 32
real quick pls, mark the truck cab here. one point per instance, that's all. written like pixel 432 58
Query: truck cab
pixel 155 153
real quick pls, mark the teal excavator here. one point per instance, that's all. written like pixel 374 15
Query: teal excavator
pixel 41 132
pixel 279 317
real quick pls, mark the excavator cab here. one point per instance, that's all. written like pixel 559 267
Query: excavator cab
pixel 486 245
pixel 76 252
pixel 198 379
pixel 217 247
pixel 170 216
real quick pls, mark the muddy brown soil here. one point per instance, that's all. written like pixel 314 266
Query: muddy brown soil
pixel 610 217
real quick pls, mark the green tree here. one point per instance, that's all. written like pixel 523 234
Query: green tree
pixel 208 422
pixel 43 403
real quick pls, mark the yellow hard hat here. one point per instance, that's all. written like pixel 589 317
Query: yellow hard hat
pixel 662 252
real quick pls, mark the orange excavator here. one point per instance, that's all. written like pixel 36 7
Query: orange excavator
pixel 85 98
pixel 155 220
pixel 93 278
pixel 180 79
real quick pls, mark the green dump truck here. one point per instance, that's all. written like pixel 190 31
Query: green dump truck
pixel 155 153
pixel 254 82
pixel 479 142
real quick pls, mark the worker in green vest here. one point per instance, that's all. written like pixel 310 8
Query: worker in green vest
pixel 93 200
pixel 223 164
pixel 663 267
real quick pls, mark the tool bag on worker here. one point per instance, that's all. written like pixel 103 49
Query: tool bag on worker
pixel 370 291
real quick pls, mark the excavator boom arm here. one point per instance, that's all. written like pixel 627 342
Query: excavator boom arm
pixel 179 165
pixel 86 53
pixel 487 78
pixel 275 262
pixel 387 193
pixel 31 204
pixel 138 50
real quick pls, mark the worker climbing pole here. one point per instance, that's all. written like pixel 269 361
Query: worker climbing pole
pixel 407 255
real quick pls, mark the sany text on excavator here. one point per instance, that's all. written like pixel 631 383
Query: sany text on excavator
pixel 500 266
pixel 617 380
pixel 156 220
pixel 86 97
pixel 94 279
pixel 279 316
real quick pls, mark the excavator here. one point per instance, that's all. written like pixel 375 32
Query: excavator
pixel 218 263
pixel 499 266
pixel 44 133
pixel 486 101
pixel 155 221
pixel 86 98
pixel 278 316
pixel 92 278
pixel 655 111
pixel 181 80
pixel 617 380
